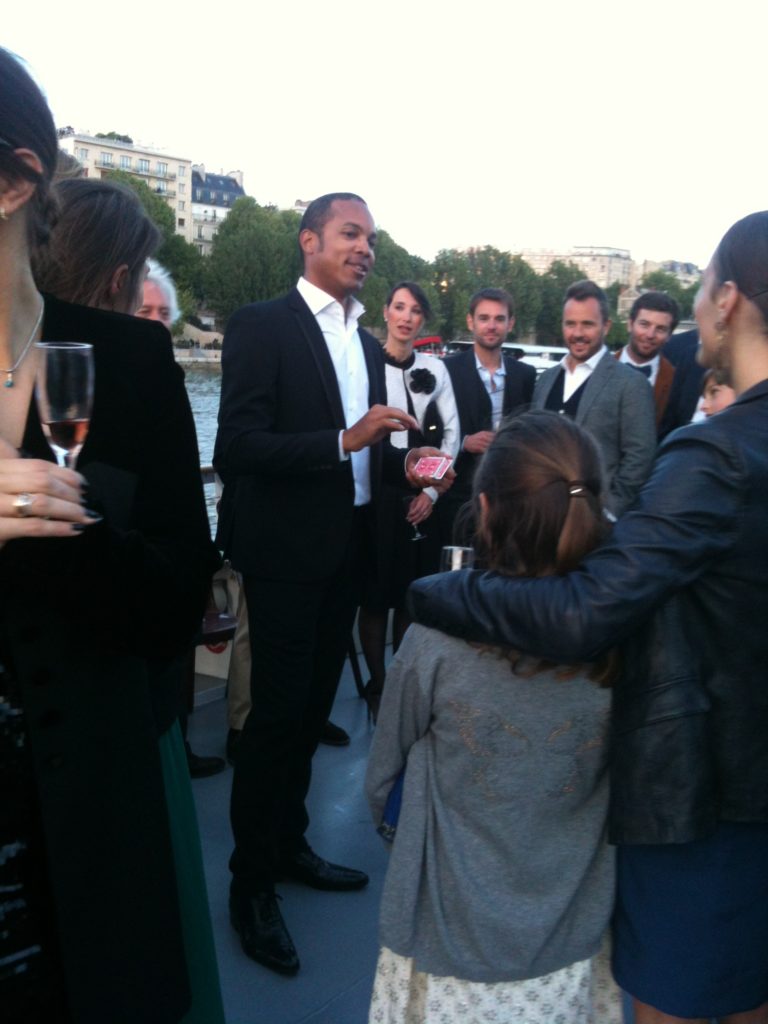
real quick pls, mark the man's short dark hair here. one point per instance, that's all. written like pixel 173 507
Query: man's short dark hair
pixel 659 302
pixel 318 213
pixel 583 290
pixel 492 295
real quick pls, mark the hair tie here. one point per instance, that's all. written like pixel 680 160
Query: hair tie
pixel 577 489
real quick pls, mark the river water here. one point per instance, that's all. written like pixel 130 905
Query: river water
pixel 203 387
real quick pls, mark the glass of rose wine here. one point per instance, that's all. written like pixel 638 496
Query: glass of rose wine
pixel 64 392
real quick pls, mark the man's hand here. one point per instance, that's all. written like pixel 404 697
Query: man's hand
pixel 441 486
pixel 378 423
pixel 478 443
pixel 419 509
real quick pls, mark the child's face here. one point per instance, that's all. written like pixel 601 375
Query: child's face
pixel 716 398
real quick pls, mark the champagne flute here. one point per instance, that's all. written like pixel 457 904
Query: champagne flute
pixel 417 534
pixel 64 393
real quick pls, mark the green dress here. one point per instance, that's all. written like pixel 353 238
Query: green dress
pixel 206 1006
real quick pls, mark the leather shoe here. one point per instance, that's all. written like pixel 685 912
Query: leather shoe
pixel 201 767
pixel 334 736
pixel 305 866
pixel 233 738
pixel 263 934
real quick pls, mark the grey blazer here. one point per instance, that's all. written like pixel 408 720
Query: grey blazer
pixel 617 408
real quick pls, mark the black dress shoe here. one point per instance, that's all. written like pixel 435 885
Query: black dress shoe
pixel 263 935
pixel 305 866
pixel 334 736
pixel 201 767
pixel 233 738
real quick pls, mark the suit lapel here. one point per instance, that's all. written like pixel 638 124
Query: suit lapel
pixel 595 384
pixel 320 354
pixel 374 363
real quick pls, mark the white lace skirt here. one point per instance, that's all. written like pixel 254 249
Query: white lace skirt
pixel 582 993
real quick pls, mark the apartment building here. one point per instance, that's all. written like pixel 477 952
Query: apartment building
pixel 169 176
pixel 602 264
pixel 213 196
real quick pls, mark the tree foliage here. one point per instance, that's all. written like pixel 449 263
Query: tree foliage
pixel 254 256
pixel 181 259
pixel 115 136
pixel 157 209
pixel 661 281
pixel 553 286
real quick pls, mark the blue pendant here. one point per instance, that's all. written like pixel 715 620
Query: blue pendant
pixel 9 382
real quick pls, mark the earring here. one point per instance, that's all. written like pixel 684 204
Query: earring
pixel 721 327
pixel 3 214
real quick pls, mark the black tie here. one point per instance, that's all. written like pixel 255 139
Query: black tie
pixel 645 370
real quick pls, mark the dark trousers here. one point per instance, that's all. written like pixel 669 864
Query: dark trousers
pixel 299 636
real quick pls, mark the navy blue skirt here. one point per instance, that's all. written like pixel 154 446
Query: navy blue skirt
pixel 691 923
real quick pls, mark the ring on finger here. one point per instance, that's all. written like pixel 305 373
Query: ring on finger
pixel 23 504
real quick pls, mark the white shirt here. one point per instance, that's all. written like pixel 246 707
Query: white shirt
pixel 573 379
pixel 494 381
pixel 626 357
pixel 339 327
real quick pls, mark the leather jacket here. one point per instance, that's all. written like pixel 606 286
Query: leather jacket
pixel 682 586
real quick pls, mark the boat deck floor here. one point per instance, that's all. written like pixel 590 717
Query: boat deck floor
pixel 334 933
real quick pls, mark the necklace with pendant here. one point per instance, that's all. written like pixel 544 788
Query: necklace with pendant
pixel 8 383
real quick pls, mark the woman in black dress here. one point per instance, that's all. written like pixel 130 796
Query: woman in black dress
pixel 91 919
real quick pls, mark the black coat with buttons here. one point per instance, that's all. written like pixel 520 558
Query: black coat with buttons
pixel 85 624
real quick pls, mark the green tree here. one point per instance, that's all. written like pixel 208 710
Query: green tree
pixel 254 256
pixel 156 207
pixel 180 258
pixel 115 136
pixel 662 281
pixel 553 286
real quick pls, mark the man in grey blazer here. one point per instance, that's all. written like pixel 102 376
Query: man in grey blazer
pixel 611 400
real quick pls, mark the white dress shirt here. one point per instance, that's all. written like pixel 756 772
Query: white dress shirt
pixel 493 382
pixel 339 327
pixel 575 378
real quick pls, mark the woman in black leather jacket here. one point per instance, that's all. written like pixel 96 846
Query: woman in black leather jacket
pixel 682 584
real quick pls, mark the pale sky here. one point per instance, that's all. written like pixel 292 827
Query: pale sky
pixel 541 124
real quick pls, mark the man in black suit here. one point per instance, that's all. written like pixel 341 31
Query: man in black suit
pixel 487 385
pixel 294 521
pixel 684 398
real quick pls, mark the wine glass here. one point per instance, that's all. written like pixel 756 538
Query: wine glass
pixel 64 392
pixel 417 534
pixel 453 557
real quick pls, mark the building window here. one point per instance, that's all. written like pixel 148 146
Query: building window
pixel 181 204
pixel 106 160
pixel 82 154
pixel 125 163
pixel 213 197
pixel 143 166
pixel 226 197
pixel 200 231
pixel 182 170
pixel 161 167
pixel 182 188
pixel 161 187
pixel 180 222
pixel 200 250
pixel 198 194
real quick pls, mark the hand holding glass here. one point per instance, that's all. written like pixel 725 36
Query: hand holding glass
pixel 64 392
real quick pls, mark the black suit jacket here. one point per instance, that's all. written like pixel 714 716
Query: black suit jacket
pixel 474 404
pixel 79 618
pixel 286 511
pixel 681 350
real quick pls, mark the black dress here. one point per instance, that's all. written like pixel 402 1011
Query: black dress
pixel 89 916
